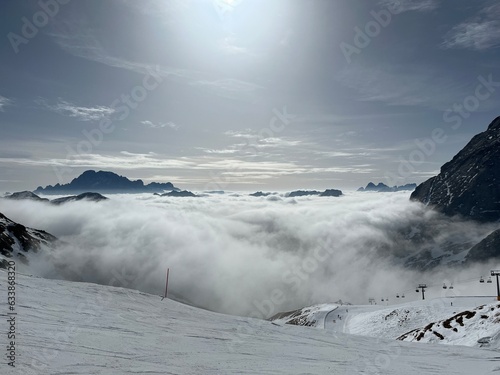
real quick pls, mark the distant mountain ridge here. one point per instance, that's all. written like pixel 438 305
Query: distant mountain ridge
pixel 105 182
pixel 468 185
pixel 383 188
pixel 304 193
pixel 23 195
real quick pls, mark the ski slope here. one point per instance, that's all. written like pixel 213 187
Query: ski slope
pixel 469 321
pixel 77 328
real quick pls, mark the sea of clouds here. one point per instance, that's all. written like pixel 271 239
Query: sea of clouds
pixel 255 256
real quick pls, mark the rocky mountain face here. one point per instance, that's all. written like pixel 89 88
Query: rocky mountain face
pixel 105 182
pixel 383 188
pixel 16 241
pixel 485 250
pixel 468 185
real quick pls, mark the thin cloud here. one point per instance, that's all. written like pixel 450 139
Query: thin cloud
pixel 479 33
pixel 80 113
pixel 80 41
pixel 4 102
pixel 473 35
pixel 411 5
pixel 409 86
pixel 160 125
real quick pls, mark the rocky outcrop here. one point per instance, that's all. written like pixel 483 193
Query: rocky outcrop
pixel 331 193
pixel 183 193
pixel 383 188
pixel 485 250
pixel 93 197
pixel 259 194
pixel 16 241
pixel 305 193
pixel 26 195
pixel 468 185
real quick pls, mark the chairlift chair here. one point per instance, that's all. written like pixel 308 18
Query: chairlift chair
pixel 489 280
pixel 451 286
pixel 403 296
pixel 444 286
pixel 481 280
pixel 397 295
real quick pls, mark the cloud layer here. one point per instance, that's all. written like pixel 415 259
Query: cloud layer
pixel 236 254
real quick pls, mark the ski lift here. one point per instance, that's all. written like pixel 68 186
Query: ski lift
pixel 451 286
pixel 382 300
pixel 444 286
pixel 397 295
pixel 481 280
pixel 489 280
pixel 403 296
pixel 417 290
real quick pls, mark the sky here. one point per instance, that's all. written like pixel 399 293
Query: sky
pixel 243 94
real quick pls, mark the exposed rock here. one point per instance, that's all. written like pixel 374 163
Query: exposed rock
pixel 486 249
pixel 16 241
pixel 469 184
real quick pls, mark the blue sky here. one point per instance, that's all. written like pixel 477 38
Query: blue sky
pixel 243 94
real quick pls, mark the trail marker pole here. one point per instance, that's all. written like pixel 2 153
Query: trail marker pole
pixel 166 286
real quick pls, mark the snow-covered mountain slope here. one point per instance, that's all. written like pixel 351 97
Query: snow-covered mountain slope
pixel 17 241
pixel 313 316
pixel 468 184
pixel 79 328
pixel 391 322
pixel 479 326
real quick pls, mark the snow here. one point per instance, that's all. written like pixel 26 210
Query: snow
pixel 413 318
pixel 472 327
pixel 78 328
pixel 314 316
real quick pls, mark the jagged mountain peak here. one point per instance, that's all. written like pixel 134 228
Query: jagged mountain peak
pixel 469 184
pixel 105 182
